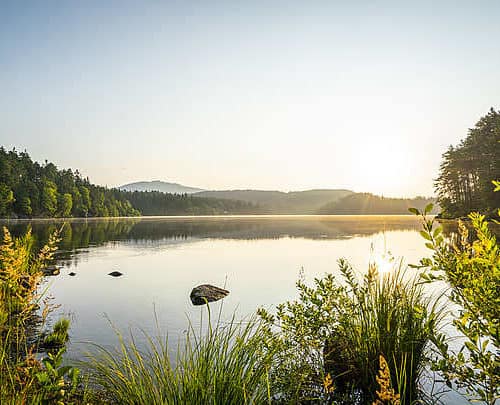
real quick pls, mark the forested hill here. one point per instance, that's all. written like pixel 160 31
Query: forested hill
pixel 158 203
pixel 278 202
pixel 366 203
pixel 29 189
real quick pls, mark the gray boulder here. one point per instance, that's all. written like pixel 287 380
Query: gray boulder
pixel 207 293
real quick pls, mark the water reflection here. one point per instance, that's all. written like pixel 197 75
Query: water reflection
pixel 80 233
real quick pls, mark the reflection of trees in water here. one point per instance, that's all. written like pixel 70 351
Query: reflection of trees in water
pixel 77 235
pixel 450 229
pixel 266 228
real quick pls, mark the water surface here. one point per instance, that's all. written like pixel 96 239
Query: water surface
pixel 258 258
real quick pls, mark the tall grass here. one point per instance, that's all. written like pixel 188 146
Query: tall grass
pixel 20 274
pixel 391 316
pixel 226 365
pixel 23 378
pixel 339 329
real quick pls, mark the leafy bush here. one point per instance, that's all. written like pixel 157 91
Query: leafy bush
pixel 59 335
pixel 339 329
pixel 472 269
pixel 51 379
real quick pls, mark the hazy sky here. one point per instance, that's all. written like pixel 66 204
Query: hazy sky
pixel 364 95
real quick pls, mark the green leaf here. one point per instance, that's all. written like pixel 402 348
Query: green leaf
pixel 428 208
pixel 437 232
pixel 426 235
pixel 414 211
pixel 496 183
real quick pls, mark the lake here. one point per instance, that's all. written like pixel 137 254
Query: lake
pixel 257 258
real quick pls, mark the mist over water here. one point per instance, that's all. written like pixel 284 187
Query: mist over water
pixel 258 259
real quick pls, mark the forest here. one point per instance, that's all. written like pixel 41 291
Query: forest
pixel 370 204
pixel 158 203
pixel 29 189
pixel 464 181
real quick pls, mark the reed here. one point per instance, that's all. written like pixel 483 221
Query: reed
pixel 225 365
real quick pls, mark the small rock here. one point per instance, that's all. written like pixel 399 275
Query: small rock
pixel 115 274
pixel 72 274
pixel 207 293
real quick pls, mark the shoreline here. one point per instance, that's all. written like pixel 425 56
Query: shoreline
pixel 229 216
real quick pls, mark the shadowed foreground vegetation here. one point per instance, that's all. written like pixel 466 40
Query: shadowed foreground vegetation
pixel 31 368
pixel 338 329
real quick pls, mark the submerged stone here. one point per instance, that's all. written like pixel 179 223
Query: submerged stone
pixel 72 274
pixel 115 274
pixel 207 293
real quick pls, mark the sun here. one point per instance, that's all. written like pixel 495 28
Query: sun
pixel 383 167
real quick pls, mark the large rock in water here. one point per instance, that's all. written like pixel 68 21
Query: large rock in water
pixel 207 293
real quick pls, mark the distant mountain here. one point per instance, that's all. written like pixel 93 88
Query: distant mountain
pixel 162 186
pixel 278 202
pixel 323 201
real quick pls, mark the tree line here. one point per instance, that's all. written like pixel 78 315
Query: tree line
pixel 30 189
pixel 158 203
pixel 464 182
pixel 367 203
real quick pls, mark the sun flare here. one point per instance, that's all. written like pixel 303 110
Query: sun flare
pixel 381 258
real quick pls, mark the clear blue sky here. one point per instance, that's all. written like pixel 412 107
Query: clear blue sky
pixel 282 95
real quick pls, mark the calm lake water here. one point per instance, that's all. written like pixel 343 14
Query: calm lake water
pixel 258 259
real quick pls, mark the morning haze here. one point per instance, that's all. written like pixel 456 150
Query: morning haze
pixel 249 202
pixel 230 95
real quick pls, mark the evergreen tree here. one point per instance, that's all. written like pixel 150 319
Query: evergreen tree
pixel 49 197
pixel 464 182
pixel 64 203
pixel 6 199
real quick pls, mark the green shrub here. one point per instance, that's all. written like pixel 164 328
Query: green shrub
pixel 338 330
pixel 471 267
pixel 59 335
